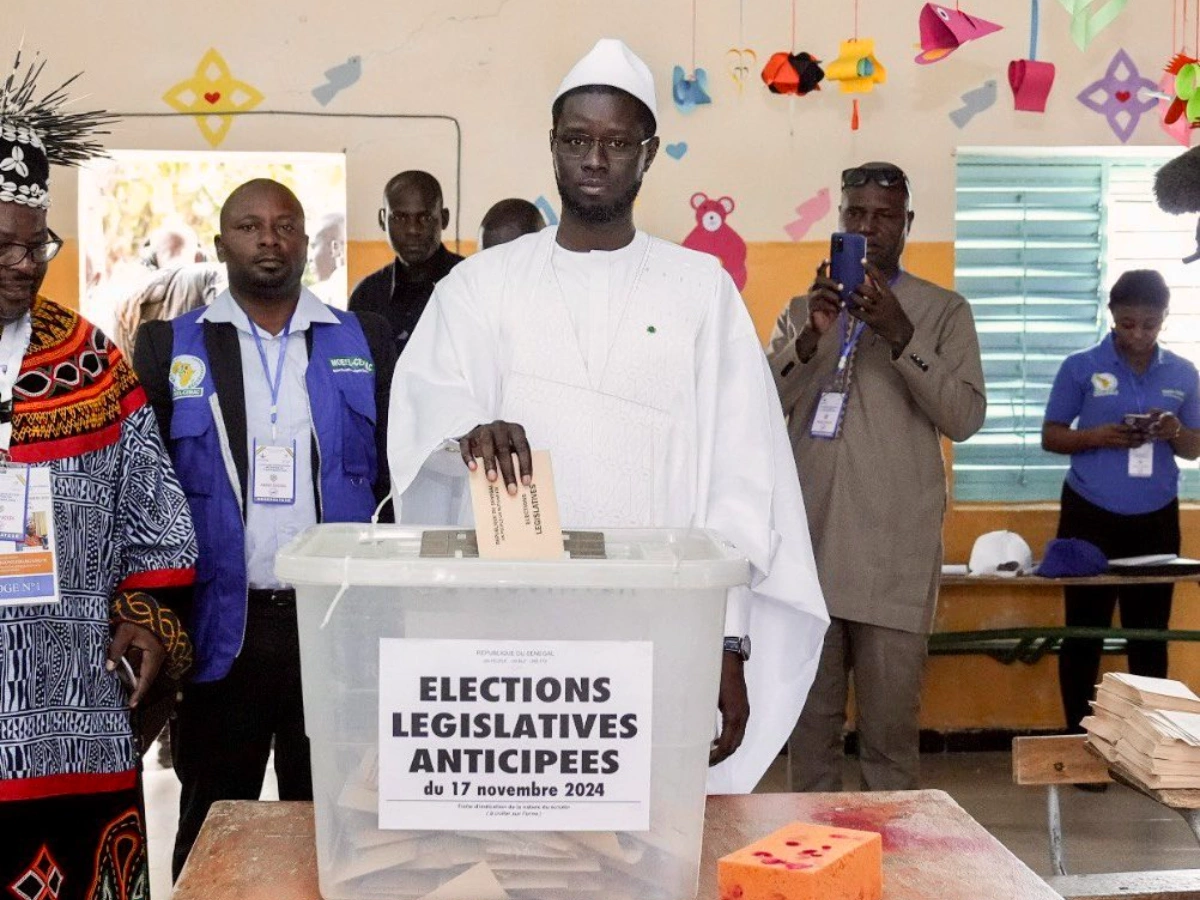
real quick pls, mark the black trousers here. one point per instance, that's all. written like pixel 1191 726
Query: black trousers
pixel 224 730
pixel 1142 605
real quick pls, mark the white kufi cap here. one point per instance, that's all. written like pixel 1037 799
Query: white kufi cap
pixel 613 64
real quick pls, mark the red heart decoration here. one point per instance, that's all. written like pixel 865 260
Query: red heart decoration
pixel 214 96
pixel 1122 96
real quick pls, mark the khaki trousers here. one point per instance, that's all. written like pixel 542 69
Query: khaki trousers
pixel 887 666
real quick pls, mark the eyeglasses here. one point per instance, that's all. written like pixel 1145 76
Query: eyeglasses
pixel 577 146
pixel 887 176
pixel 12 255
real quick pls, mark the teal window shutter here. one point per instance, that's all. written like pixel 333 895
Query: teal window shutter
pixel 1029 256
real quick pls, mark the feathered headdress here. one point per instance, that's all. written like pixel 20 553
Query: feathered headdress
pixel 35 133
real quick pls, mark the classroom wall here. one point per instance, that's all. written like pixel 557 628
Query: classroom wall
pixel 493 65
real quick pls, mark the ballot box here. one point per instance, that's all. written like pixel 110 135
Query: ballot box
pixel 488 729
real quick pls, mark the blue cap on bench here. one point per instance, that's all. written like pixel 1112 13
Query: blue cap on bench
pixel 1072 558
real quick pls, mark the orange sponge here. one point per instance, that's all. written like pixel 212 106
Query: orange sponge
pixel 805 862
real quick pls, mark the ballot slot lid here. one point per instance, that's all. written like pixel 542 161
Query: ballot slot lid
pixel 384 554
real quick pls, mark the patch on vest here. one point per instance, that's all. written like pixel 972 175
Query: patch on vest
pixel 351 364
pixel 187 377
pixel 1104 384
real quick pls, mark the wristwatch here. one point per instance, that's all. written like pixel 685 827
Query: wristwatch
pixel 738 645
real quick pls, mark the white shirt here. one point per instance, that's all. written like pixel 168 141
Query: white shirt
pixel 659 410
pixel 271 525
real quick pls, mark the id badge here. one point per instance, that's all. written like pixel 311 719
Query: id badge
pixel 28 566
pixel 274 473
pixel 1141 461
pixel 14 502
pixel 828 415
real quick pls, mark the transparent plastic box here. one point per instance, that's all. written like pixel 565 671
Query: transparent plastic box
pixel 356 584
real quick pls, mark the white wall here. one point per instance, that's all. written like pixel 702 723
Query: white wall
pixel 494 64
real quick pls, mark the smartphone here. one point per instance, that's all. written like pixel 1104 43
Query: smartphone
pixel 1139 421
pixel 126 675
pixel 846 255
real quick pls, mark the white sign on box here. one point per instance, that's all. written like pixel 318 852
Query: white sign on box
pixel 515 735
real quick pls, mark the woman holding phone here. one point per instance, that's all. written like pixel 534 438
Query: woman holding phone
pixel 1122 410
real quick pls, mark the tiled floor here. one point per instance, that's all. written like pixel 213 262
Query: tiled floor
pixel 1111 832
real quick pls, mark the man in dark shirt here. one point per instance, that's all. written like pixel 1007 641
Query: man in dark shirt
pixel 413 217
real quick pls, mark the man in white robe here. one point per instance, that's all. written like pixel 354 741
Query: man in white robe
pixel 635 362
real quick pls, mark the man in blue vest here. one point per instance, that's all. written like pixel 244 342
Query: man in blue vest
pixel 273 406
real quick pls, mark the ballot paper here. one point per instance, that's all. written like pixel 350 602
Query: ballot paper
pixel 525 526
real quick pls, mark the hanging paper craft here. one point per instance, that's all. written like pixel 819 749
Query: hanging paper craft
pixel 856 68
pixel 1184 88
pixel 1178 126
pixel 677 151
pixel 714 235
pixel 739 63
pixel 974 102
pixel 689 92
pixel 858 71
pixel 1090 17
pixel 792 73
pixel 944 30
pixel 1031 79
pixel 810 212
pixel 1119 96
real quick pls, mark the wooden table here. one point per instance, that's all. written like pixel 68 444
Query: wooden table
pixel 1030 644
pixel 931 847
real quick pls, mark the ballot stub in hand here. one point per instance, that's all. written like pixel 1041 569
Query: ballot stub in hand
pixel 525 526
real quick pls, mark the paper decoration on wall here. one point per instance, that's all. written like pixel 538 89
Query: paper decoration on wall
pixel 944 30
pixel 1177 126
pixel 1090 17
pixel 975 101
pixel 548 212
pixel 338 79
pixel 677 150
pixel 1118 96
pixel 210 95
pixel 714 235
pixel 688 92
pixel 740 63
pixel 810 212
pixel 793 73
pixel 1031 79
pixel 856 69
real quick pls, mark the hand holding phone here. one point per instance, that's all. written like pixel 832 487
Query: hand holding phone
pixel 1140 422
pixel 846 254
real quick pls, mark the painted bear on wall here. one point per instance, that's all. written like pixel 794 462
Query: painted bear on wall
pixel 714 235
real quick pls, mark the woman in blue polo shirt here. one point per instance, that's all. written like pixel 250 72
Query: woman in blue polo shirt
pixel 1135 407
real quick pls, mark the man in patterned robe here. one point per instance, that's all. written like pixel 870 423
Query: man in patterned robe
pixel 70 803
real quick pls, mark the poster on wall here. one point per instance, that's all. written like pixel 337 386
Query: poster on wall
pixel 514 735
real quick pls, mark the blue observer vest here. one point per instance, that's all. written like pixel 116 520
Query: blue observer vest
pixel 341 393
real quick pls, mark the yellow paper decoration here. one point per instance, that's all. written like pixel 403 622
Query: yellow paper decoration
pixel 856 68
pixel 211 94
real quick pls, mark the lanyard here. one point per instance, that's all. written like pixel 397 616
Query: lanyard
pixel 273 386
pixel 850 336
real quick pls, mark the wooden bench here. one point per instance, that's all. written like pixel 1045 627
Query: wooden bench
pixel 1054 761
pixel 1058 760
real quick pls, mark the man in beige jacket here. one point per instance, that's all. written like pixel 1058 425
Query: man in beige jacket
pixel 870 385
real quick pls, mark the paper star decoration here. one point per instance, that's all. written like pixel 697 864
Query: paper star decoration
pixel 1118 96
pixel 211 94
